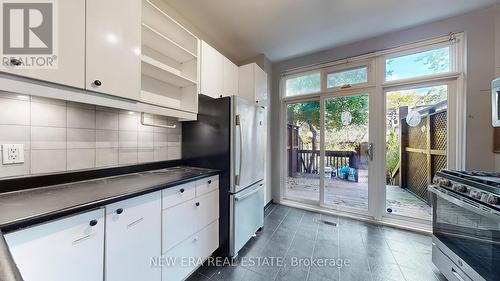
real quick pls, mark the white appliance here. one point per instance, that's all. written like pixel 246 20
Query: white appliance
pixel 230 136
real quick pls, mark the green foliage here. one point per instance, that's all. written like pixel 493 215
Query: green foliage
pixel 303 84
pixel 412 98
pixel 437 60
pixel 348 77
pixel 309 112
pixel 392 152
pixel 356 105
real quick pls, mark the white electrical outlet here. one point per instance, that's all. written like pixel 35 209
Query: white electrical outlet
pixel 12 153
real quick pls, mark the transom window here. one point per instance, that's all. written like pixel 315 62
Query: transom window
pixel 418 64
pixel 347 78
pixel 304 84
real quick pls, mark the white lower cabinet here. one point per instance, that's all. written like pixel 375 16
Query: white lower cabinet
pixel 71 248
pixel 190 231
pixel 133 238
pixel 184 258
pixel 183 220
pixel 125 241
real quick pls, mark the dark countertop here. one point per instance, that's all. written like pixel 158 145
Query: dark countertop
pixel 31 206
pixel 27 207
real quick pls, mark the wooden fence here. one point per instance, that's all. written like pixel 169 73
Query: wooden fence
pixel 422 151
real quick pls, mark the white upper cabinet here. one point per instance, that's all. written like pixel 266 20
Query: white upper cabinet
pixel 212 71
pixel 113 62
pixel 67 249
pixel 69 47
pixel 253 83
pixel 133 237
pixel 230 78
pixel 169 63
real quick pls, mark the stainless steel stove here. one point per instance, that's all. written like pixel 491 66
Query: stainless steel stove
pixel 466 225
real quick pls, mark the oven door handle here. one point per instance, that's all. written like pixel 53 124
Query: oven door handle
pixel 491 213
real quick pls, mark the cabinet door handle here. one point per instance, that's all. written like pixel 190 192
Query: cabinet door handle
pixel 97 83
pixel 135 222
pixel 197 204
pixel 119 211
pixel 93 223
pixel 16 62
pixel 181 190
pixel 82 239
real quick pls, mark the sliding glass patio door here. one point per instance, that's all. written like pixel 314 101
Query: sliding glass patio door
pixel 346 152
pixel 327 153
pixel 302 156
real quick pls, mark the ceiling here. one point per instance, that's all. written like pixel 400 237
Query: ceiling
pixel 281 29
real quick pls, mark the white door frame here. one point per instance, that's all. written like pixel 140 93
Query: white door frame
pixel 371 139
pixel 453 154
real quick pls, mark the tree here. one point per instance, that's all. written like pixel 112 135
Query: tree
pixel 308 113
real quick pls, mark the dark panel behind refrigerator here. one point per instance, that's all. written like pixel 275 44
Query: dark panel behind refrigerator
pixel 206 144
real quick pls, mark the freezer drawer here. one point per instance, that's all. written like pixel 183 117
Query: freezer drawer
pixel 247 215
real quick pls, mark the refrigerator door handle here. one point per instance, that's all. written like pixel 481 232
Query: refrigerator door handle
pixel 238 176
pixel 241 197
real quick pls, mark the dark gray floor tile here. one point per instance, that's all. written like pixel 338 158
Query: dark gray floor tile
pixel 292 274
pixel 354 273
pixel 323 274
pixel 380 258
pixel 386 271
pixel 418 274
pixel 324 249
pixel 269 208
pixel 238 273
pixel 375 253
pixel 197 277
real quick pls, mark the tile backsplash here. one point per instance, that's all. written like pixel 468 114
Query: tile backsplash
pixel 62 136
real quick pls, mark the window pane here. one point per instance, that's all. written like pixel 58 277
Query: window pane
pixel 348 77
pixel 310 83
pixel 419 64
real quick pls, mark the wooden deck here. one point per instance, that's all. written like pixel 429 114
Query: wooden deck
pixel 355 195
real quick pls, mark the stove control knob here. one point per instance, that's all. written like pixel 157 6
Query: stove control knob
pixel 459 188
pixel 475 194
pixel 445 182
pixel 436 180
pixel 484 197
pixel 494 200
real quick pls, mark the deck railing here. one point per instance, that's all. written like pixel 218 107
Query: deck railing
pixel 333 159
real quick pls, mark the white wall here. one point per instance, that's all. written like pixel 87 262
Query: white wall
pixel 61 136
pixel 479 28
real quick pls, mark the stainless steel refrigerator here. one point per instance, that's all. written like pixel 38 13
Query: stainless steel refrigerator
pixel 230 135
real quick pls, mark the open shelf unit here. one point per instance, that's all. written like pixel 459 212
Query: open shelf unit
pixel 169 61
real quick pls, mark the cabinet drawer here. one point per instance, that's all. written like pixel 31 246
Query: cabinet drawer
pixel 186 255
pixel 177 194
pixel 208 209
pixel 206 185
pixel 185 219
pixel 178 223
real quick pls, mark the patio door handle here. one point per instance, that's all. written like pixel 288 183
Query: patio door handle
pixel 369 151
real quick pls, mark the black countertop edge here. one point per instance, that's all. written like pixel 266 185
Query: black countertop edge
pixel 33 220
pixel 34 181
